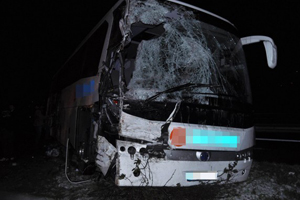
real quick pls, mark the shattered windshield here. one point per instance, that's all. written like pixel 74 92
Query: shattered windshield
pixel 188 51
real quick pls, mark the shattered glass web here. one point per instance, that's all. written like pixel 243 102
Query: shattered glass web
pixel 181 55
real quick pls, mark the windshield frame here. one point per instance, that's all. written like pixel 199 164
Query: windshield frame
pixel 213 32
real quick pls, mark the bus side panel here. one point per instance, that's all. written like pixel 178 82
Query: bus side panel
pixel 68 113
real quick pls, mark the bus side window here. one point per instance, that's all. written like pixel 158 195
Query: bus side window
pixel 128 68
pixel 93 50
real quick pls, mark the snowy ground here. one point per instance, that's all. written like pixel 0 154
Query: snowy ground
pixel 43 177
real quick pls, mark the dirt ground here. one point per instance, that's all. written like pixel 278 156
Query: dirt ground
pixel 38 176
pixel 43 177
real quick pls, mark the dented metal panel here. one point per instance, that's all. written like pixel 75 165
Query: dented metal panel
pixel 211 137
pixel 105 154
pixel 141 170
pixel 182 59
pixel 139 128
pixel 148 130
pixel 177 58
pixel 171 103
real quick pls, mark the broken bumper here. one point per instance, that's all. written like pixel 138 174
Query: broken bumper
pixel 133 169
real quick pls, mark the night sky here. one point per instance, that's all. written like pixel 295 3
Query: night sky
pixel 37 37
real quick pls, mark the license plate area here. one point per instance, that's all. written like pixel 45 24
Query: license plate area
pixel 201 176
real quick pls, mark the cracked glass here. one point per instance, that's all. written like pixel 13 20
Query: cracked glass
pixel 187 51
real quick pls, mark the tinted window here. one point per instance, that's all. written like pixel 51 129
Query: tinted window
pixel 84 63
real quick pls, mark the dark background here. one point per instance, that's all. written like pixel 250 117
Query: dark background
pixel 37 37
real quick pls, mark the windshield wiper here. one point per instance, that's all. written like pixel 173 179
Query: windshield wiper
pixel 178 88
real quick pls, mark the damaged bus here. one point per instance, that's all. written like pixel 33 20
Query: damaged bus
pixel 158 94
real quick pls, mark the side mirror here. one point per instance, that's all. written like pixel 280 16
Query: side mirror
pixel 270 47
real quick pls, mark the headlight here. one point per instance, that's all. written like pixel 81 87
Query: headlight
pixel 203 156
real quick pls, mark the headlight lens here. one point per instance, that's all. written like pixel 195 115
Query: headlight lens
pixel 203 156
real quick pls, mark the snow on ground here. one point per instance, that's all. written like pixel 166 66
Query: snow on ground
pixel 42 176
pixel 268 181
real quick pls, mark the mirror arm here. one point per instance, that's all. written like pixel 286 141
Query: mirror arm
pixel 270 47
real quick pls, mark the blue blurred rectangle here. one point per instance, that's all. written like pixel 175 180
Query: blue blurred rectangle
pixel 211 138
pixel 85 89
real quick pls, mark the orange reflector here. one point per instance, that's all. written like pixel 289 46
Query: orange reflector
pixel 177 137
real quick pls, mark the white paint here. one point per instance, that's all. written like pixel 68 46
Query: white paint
pixel 149 130
pixel 106 152
pixel 270 47
pixel 246 136
pixel 139 128
pixel 162 172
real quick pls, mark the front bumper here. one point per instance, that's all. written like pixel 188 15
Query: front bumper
pixel 134 169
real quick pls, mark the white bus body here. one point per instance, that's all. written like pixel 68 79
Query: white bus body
pixel 158 94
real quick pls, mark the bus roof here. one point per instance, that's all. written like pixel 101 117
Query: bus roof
pixel 201 10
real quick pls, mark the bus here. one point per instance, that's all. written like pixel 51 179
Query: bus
pixel 158 94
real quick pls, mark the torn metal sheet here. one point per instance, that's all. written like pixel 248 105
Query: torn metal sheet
pixel 148 130
pixel 105 154
pixel 164 128
pixel 171 103
pixel 95 131
pixel 139 128
pixel 177 58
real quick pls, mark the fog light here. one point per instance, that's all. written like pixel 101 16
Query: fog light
pixel 131 150
pixel 143 151
pixel 122 148
pixel 136 172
